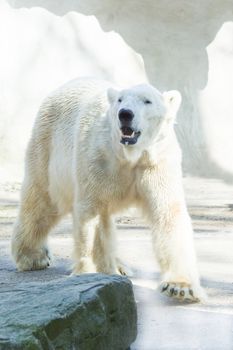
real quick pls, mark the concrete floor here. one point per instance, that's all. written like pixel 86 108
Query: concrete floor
pixel 162 323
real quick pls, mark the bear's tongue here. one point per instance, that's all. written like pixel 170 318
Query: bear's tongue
pixel 129 136
pixel 127 131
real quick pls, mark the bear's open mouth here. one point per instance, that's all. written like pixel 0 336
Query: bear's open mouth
pixel 129 136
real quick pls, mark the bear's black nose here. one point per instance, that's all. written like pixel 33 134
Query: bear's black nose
pixel 125 115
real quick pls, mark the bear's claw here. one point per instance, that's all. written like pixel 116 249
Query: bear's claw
pixel 179 290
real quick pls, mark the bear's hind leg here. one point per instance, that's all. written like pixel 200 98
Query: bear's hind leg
pixel 36 217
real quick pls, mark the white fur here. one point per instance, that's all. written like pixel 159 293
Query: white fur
pixel 76 163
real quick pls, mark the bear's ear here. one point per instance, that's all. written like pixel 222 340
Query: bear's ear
pixel 112 95
pixel 172 101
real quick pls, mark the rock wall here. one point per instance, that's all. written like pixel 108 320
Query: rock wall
pixel 178 44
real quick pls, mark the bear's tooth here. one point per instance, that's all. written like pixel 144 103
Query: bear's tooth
pixel 130 136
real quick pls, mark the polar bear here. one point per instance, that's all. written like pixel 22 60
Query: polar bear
pixel 95 151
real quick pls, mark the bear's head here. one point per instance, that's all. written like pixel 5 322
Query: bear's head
pixel 141 115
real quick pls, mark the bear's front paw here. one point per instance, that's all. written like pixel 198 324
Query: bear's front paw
pixel 84 265
pixel 33 260
pixel 123 269
pixel 179 290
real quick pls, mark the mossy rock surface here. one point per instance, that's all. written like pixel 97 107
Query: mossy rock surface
pixel 86 312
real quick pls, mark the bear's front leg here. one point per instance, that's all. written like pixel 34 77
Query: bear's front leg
pixel 174 248
pixel 101 258
pixel 172 236
pixel 83 214
pixel 104 247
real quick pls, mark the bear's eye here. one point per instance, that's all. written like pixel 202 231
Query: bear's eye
pixel 147 102
pixel 120 99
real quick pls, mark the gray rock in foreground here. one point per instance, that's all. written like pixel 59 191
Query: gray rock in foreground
pixel 85 312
